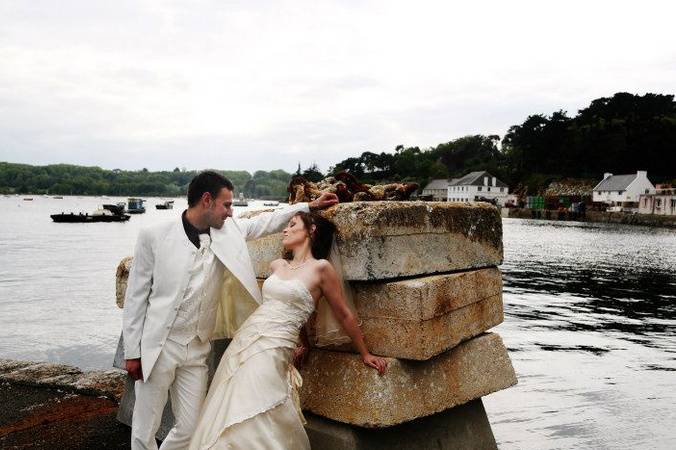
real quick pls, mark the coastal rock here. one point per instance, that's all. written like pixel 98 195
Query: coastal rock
pixel 107 383
pixel 339 386
pixel 381 240
pixel 121 276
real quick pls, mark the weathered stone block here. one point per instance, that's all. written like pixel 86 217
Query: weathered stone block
pixel 427 297
pixel 422 317
pixel 463 427
pixel 339 386
pixel 421 340
pixel 380 240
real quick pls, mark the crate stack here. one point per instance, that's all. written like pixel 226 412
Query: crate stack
pixel 427 288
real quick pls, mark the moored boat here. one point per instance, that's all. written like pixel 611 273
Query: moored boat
pixel 107 213
pixel 167 204
pixel 135 205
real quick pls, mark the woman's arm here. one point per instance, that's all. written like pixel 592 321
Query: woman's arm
pixel 333 293
pixel 300 353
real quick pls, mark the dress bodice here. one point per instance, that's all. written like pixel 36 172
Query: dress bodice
pixel 288 298
pixel 287 306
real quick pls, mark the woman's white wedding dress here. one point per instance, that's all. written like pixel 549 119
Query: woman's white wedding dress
pixel 253 399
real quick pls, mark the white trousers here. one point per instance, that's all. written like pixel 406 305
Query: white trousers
pixel 180 371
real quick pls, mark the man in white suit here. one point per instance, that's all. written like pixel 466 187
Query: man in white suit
pixel 171 302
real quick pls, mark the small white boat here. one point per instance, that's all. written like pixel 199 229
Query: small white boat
pixel 271 203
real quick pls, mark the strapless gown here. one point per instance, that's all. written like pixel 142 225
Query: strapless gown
pixel 253 399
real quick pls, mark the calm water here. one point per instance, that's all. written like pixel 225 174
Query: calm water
pixel 590 318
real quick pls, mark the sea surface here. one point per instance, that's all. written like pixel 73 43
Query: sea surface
pixel 590 317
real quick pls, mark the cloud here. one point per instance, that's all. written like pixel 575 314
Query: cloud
pixel 262 85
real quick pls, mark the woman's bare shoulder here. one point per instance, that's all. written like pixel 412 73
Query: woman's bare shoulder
pixel 323 266
pixel 277 263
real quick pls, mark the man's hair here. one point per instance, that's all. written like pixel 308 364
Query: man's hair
pixel 207 181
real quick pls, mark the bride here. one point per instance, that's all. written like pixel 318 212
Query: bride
pixel 253 399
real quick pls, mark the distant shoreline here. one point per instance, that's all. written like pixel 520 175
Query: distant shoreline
pixel 647 220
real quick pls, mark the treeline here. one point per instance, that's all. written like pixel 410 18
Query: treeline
pixel 65 179
pixel 620 134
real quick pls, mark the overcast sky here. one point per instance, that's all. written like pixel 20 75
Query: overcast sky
pixel 267 84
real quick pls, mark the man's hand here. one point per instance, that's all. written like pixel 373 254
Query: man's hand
pixel 133 367
pixel 324 201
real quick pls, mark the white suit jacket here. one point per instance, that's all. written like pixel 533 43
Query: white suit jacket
pixel 159 276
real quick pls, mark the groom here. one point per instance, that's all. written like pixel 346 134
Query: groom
pixel 171 302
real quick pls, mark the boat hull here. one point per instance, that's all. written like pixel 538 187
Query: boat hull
pixel 78 218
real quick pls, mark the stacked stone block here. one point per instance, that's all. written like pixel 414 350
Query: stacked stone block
pixel 426 288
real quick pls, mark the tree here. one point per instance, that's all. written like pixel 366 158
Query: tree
pixel 313 173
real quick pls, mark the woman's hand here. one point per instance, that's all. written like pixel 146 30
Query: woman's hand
pixel 378 363
pixel 299 356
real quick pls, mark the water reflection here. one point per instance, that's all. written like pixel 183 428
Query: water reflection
pixel 590 322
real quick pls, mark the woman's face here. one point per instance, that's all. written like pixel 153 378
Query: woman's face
pixel 294 234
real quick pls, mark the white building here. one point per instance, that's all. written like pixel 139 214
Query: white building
pixel 622 190
pixel 478 186
pixel 437 189
pixel 662 202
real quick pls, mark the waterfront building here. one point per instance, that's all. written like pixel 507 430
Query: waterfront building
pixel 436 189
pixel 478 186
pixel 622 192
pixel 662 202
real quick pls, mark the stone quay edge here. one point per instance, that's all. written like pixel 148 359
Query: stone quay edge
pixel 382 240
pixel 340 387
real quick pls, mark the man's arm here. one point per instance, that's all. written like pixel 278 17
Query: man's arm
pixel 139 285
pixel 275 221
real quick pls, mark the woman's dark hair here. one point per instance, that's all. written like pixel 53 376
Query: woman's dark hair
pixel 207 181
pixel 320 240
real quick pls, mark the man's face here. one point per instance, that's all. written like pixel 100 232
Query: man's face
pixel 220 208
